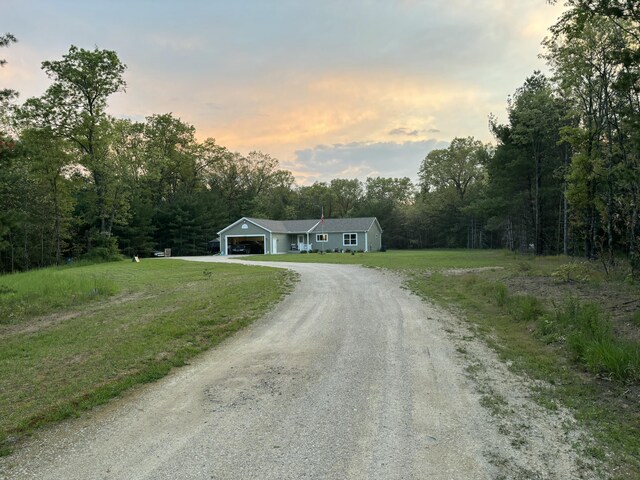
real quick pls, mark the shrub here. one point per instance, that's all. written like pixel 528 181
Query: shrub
pixel 571 272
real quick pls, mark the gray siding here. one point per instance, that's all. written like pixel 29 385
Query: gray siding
pixel 336 240
pixel 238 231
pixel 374 237
pixel 367 231
pixel 283 242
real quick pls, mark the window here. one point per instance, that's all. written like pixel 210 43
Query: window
pixel 322 237
pixel 349 239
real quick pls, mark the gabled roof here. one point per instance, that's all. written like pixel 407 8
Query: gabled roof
pixel 338 225
pixel 285 226
pixel 330 225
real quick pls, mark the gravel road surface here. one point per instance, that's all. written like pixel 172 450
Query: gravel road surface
pixel 350 377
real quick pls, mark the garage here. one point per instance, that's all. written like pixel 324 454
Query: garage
pixel 245 244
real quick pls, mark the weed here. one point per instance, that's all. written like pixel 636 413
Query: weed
pixel 589 335
pixel 501 294
pixel 572 272
pixel 524 267
pixel 526 308
pixel 494 402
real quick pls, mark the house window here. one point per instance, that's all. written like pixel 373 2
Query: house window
pixel 322 237
pixel 349 239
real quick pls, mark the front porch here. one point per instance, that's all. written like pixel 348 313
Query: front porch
pixel 300 247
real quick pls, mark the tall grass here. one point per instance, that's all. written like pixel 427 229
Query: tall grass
pixel 32 293
pixel 588 334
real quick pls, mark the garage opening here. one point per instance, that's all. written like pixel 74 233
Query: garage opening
pixel 245 245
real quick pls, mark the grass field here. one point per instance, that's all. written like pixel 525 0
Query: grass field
pixel 74 337
pixel 566 322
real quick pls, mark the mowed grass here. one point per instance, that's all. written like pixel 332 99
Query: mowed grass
pixel 401 259
pixel 543 332
pixel 72 338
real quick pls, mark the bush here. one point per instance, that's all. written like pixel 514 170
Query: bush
pixel 105 249
pixel 572 272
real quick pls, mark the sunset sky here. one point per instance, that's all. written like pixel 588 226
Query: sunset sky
pixel 347 89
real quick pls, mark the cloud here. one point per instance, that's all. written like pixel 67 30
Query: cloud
pixel 362 159
pixel 329 88
pixel 412 133
pixel 404 131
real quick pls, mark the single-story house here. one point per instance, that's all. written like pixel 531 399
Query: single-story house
pixel 262 236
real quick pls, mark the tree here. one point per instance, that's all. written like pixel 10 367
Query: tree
pixel 533 154
pixel 459 166
pixel 74 107
pixel 347 195
pixel 594 54
pixel 6 94
pixel 389 200
pixel 449 179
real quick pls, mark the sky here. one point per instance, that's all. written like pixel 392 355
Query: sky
pixel 332 89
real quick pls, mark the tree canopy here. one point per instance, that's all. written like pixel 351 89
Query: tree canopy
pixel 562 177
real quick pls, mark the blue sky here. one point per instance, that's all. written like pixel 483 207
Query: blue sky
pixel 344 89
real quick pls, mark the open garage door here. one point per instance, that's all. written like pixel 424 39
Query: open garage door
pixel 245 244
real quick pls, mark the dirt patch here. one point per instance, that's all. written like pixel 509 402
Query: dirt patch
pixel 44 322
pixel 466 271
pixel 619 301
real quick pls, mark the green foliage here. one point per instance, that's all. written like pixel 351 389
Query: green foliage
pixel 525 308
pixel 572 272
pixel 589 336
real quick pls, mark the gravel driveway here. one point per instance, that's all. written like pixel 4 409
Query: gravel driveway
pixel 350 377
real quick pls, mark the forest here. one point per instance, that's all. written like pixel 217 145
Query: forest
pixel 562 177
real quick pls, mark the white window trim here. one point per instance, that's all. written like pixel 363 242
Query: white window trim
pixel 319 235
pixel 344 237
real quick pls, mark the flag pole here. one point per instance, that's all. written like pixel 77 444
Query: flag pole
pixel 322 227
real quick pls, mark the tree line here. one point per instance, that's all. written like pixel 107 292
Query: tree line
pixel 562 176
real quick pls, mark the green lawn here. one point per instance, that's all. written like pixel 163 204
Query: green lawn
pixel 423 259
pixel 73 337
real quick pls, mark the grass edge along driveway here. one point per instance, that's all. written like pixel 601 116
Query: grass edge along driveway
pixel 74 337
pixel 554 319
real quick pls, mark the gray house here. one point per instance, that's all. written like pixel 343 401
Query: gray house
pixel 261 236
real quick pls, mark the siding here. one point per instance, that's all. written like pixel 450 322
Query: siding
pixel 238 231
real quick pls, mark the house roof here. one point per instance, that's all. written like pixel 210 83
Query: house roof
pixel 330 225
pixel 337 225
pixel 285 226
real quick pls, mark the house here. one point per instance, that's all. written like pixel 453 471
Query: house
pixel 262 236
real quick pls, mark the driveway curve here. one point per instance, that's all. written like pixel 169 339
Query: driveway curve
pixel 350 377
